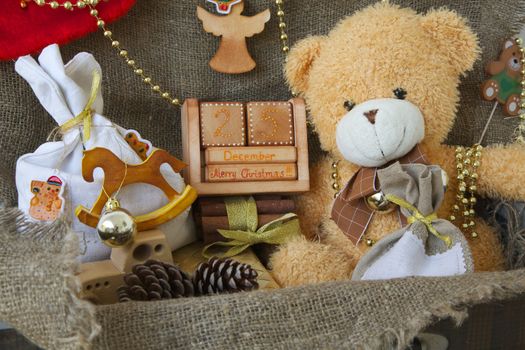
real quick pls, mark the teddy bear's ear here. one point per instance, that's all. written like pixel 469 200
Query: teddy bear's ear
pixel 299 62
pixel 453 37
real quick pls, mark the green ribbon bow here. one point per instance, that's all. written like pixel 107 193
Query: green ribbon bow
pixel 243 232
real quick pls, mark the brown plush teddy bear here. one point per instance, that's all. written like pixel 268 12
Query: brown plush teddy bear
pixel 382 81
pixel 504 84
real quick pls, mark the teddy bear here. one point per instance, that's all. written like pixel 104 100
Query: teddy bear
pixel 504 84
pixel 380 86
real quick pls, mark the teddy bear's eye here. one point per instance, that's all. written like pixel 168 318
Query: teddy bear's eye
pixel 400 93
pixel 349 105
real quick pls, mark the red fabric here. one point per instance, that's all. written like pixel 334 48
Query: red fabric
pixel 29 30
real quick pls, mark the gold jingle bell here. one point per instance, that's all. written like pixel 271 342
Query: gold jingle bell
pixel 378 203
pixel 116 226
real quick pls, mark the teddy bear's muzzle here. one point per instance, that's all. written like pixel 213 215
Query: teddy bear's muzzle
pixel 378 131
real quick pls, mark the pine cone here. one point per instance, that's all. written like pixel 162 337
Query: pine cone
pixel 155 280
pixel 224 276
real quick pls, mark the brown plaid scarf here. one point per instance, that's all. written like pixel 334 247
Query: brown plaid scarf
pixel 350 211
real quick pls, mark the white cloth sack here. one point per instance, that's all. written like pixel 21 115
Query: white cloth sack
pixel 408 257
pixel 414 250
pixel 63 90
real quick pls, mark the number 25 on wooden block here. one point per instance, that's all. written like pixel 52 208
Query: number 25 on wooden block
pixel 222 124
pixel 270 123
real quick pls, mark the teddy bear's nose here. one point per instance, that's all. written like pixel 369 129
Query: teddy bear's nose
pixel 371 115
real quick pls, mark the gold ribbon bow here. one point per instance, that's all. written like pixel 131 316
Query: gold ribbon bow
pixel 243 232
pixel 417 216
pixel 85 117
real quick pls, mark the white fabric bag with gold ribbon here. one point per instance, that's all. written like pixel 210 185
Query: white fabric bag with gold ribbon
pixel 49 181
pixel 427 245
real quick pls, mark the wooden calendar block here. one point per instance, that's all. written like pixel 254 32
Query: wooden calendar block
pixel 270 123
pixel 222 124
pixel 249 172
pixel 249 155
pixel 195 173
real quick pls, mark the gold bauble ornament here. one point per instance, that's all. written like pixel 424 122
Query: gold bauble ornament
pixel 116 226
pixel 379 203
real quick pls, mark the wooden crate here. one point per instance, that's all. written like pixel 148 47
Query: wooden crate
pixel 193 155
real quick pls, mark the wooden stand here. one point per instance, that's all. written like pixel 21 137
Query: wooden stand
pixel 101 279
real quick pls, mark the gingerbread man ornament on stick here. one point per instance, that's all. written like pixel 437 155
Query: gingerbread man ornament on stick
pixel 233 57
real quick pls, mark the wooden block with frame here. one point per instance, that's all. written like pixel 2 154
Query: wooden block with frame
pixel 194 153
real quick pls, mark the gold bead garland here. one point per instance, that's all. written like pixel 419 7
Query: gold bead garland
pixel 520 130
pixel 156 88
pixel 68 5
pixel 282 26
pixel 468 160
pixel 335 177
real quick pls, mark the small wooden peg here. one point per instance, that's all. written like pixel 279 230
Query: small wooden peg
pixel 233 57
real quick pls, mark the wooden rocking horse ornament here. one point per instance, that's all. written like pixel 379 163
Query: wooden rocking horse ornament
pixel 119 174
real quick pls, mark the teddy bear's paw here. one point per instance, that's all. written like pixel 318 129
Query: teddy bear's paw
pixel 332 235
pixel 512 106
pixel 300 262
pixel 490 90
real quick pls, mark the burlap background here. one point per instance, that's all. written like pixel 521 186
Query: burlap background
pixel 167 39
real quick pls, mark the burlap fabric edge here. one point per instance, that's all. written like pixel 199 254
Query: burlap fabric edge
pixel 39 289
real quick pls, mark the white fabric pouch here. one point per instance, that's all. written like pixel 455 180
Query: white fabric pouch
pixel 50 179
pixel 415 250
